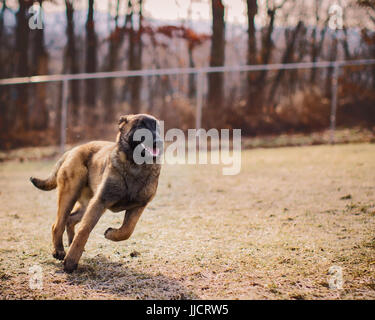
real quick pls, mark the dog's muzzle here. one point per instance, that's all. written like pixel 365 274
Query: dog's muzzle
pixel 155 150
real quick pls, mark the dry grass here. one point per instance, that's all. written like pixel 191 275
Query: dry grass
pixel 271 232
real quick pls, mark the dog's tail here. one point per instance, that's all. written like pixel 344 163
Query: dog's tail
pixel 49 183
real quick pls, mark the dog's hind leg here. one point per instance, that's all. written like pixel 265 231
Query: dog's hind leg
pixel 69 190
pixel 74 218
pixel 77 213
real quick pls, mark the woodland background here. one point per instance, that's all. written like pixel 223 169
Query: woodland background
pixel 126 38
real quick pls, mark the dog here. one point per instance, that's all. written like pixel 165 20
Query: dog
pixel 102 175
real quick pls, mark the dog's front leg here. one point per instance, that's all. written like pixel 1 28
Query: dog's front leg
pixel 125 231
pixel 92 215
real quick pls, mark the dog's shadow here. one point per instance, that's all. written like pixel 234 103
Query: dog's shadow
pixel 124 282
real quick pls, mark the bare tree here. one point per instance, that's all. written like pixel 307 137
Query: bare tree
pixel 91 64
pixel 71 60
pixel 135 57
pixel 21 113
pixel 39 116
pixel 2 12
pixel 370 4
pixel 217 58
pixel 252 10
pixel 115 40
pixel 3 72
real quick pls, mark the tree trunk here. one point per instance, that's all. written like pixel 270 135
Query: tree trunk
pixel 2 12
pixel 21 113
pixel 192 80
pixel 91 63
pixel 3 91
pixel 252 10
pixel 114 43
pixel 135 60
pixel 217 58
pixel 316 53
pixel 345 44
pixel 267 46
pixel 71 59
pixel 39 116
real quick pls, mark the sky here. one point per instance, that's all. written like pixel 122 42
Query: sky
pixel 169 9
pixel 200 10
pixel 194 10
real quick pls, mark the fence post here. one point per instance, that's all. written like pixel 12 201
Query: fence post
pixel 198 111
pixel 334 87
pixel 64 112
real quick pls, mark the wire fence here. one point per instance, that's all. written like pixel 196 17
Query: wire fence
pixel 200 73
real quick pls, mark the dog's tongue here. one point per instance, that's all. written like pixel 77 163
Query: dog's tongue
pixel 155 152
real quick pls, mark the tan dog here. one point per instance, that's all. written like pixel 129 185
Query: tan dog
pixel 102 175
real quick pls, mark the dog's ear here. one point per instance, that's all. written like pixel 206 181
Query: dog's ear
pixel 124 120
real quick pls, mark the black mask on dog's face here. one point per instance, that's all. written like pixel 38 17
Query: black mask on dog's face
pixel 142 131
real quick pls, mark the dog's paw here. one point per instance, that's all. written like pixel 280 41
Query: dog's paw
pixel 58 254
pixel 69 266
pixel 108 233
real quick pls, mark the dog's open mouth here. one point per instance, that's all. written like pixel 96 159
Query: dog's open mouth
pixel 154 151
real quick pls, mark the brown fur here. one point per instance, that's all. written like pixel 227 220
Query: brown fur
pixel 94 177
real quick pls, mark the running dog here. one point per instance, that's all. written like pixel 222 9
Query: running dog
pixel 103 175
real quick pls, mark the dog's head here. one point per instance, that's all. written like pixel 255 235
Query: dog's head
pixel 140 133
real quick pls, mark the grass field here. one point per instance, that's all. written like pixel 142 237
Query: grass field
pixel 272 232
